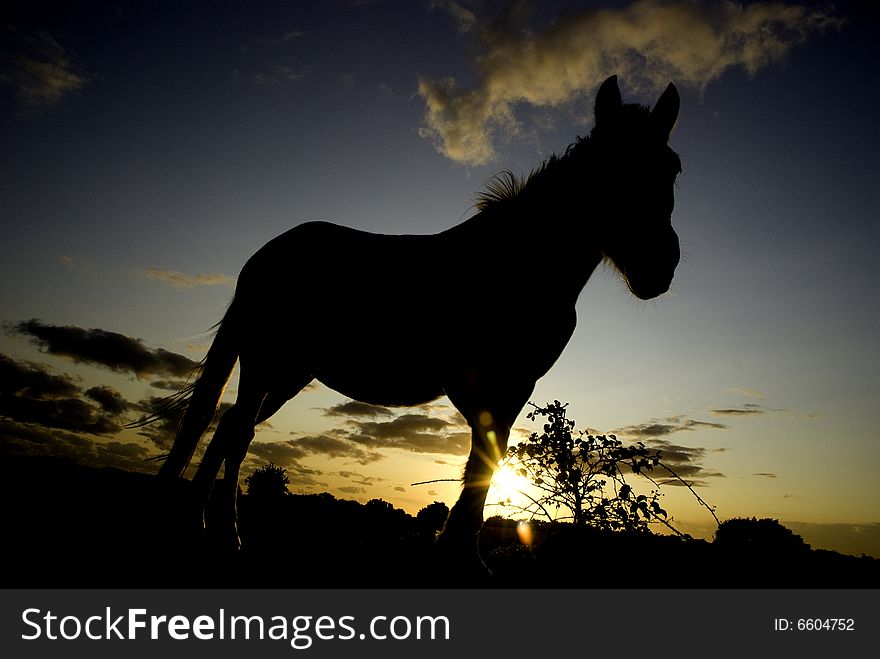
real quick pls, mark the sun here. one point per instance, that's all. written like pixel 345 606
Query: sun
pixel 507 485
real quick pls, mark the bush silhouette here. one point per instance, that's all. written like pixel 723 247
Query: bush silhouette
pixel 766 536
pixel 584 474
pixel 269 481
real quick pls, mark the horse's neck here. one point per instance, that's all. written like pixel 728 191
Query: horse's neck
pixel 548 249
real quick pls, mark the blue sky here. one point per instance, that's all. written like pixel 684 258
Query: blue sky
pixel 147 152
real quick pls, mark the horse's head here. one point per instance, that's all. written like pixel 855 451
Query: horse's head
pixel 636 171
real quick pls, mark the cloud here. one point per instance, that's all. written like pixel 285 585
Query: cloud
pixel 354 408
pixel 749 409
pixel 183 280
pixel 40 71
pixel 765 474
pixel 45 414
pixel 662 427
pixel 30 394
pixel 98 347
pixel 109 399
pixel 413 432
pixel 22 378
pixel 360 479
pixel 352 489
pixel 291 450
pixel 647 43
pixel 685 461
pixel 422 430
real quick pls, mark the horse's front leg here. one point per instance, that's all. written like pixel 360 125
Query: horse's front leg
pixel 458 542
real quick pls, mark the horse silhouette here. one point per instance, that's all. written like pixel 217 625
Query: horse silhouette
pixel 400 320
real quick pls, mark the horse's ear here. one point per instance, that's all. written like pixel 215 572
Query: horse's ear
pixel 665 112
pixel 608 100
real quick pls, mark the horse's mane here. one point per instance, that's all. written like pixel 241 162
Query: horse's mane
pixel 505 186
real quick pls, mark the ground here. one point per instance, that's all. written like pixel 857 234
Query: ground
pixel 83 527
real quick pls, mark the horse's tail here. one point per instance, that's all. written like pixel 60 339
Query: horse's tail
pixel 201 398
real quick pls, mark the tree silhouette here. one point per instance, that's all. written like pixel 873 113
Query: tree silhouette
pixel 584 474
pixel 267 482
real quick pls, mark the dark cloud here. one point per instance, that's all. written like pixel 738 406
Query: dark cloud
pixel 690 424
pixel 765 474
pixel 109 399
pixel 18 438
pixel 354 408
pixel 30 394
pixel 63 413
pixel 685 461
pixel 111 350
pixel 649 430
pixel 20 378
pixel 34 439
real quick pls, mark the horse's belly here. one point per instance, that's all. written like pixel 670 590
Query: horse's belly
pixel 382 389
pixel 378 379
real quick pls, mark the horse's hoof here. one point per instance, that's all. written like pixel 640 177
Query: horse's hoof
pixel 459 562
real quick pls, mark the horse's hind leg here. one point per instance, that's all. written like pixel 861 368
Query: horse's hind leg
pixel 231 449
pixel 235 430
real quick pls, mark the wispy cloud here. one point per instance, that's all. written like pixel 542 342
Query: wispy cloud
pixel 749 409
pixel 183 280
pixel 647 43
pixel 40 71
pixel 662 427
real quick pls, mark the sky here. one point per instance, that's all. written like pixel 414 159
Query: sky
pixel 147 150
